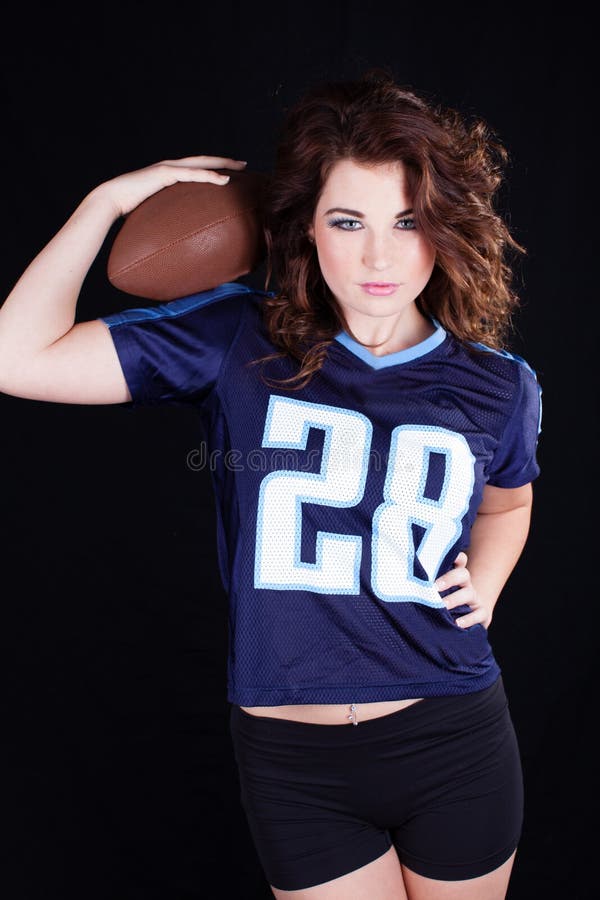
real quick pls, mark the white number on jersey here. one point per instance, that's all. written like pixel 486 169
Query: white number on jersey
pixel 393 552
pixel 341 482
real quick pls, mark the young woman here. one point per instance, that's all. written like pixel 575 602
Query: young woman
pixel 381 491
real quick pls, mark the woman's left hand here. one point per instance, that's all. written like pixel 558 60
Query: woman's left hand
pixel 460 577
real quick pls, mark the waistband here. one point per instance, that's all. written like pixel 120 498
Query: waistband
pixel 432 714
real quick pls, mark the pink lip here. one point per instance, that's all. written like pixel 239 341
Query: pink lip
pixel 379 288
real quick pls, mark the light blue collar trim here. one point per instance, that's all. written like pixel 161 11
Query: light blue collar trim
pixel 400 356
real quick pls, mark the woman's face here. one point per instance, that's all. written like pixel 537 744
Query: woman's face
pixel 365 233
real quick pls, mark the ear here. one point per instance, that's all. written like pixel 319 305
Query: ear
pixel 310 233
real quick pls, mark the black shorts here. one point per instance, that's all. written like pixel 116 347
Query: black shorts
pixel 441 780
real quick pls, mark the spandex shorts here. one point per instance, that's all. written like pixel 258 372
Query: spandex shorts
pixel 441 780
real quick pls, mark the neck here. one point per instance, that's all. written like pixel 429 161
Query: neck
pixel 389 334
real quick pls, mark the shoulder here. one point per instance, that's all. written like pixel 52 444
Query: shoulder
pixel 175 350
pixel 500 379
pixel 500 357
pixel 527 391
pixel 493 362
pixel 523 390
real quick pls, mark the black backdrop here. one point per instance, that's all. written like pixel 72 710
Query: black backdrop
pixel 120 779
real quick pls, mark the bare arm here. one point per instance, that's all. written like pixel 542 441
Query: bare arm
pixel 43 354
pixel 498 537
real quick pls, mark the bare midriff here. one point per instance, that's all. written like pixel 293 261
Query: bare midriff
pixel 331 713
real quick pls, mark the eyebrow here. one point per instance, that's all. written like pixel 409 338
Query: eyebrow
pixel 359 215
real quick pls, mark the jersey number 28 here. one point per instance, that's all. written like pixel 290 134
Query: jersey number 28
pixel 341 482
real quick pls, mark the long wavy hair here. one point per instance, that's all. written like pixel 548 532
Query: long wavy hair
pixel 454 169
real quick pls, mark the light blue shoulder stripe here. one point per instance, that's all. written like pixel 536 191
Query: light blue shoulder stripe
pixel 504 353
pixel 180 306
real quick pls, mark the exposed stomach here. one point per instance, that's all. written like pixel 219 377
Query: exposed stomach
pixel 330 713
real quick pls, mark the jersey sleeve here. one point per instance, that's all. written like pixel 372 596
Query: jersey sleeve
pixel 173 352
pixel 515 460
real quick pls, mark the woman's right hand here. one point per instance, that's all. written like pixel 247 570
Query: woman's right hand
pixel 44 354
pixel 127 191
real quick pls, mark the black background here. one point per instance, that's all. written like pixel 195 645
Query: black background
pixel 121 781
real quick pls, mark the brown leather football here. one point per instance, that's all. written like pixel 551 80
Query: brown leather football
pixel 190 237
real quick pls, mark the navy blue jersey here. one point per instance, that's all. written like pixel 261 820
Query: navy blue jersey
pixel 339 504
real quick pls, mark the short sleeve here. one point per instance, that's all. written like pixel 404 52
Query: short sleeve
pixel 515 460
pixel 173 352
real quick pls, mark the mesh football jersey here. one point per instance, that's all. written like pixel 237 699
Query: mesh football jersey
pixel 339 504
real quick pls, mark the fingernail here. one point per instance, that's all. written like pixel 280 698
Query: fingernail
pixel 243 161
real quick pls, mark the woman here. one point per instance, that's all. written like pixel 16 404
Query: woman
pixel 382 434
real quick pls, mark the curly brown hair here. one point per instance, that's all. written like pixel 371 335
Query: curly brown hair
pixel 453 168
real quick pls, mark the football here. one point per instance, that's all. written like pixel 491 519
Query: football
pixel 190 237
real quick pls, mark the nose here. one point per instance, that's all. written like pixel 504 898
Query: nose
pixel 378 251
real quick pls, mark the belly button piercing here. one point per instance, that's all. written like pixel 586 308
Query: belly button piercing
pixel 352 715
